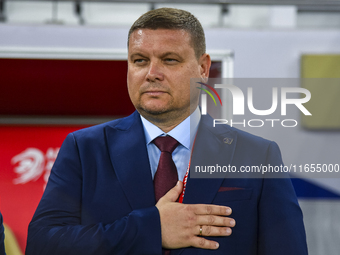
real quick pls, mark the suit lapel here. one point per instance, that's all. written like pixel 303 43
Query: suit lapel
pixel 129 157
pixel 213 145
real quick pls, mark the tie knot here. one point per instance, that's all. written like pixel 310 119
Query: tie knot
pixel 166 143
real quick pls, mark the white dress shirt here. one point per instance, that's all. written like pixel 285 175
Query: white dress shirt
pixel 184 133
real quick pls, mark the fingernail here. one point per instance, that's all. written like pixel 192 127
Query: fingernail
pixel 217 245
pixel 228 211
pixel 228 231
pixel 177 183
pixel 232 223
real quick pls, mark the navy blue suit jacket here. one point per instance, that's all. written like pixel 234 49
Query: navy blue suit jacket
pixel 2 237
pixel 100 199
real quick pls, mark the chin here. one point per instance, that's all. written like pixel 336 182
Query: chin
pixel 154 111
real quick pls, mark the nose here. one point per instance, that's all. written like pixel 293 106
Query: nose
pixel 155 72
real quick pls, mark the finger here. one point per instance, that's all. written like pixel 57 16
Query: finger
pixel 213 220
pixel 213 231
pixel 212 210
pixel 173 194
pixel 200 242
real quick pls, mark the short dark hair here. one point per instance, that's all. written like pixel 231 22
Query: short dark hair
pixel 170 18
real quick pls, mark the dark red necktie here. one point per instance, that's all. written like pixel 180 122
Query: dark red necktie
pixel 166 175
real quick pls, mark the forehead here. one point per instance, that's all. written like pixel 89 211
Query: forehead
pixel 159 38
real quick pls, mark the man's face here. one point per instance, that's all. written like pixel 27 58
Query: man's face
pixel 160 65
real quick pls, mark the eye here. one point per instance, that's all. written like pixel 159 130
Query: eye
pixel 139 60
pixel 171 60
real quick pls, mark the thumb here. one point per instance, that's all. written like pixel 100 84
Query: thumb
pixel 173 194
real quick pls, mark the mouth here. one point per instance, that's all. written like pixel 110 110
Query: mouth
pixel 154 93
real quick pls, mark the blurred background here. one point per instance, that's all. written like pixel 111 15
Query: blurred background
pixel 63 67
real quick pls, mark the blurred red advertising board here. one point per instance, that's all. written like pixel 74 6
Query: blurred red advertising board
pixel 27 154
pixel 64 87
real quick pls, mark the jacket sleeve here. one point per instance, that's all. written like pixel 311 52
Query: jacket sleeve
pixel 57 228
pixel 281 229
pixel 2 237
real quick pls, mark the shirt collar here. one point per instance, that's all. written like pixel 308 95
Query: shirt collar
pixel 184 133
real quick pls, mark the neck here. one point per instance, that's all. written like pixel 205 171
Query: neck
pixel 167 126
pixel 166 123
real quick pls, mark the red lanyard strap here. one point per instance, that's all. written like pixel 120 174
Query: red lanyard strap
pixel 185 179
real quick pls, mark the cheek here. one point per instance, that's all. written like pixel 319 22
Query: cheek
pixel 132 82
pixel 132 89
pixel 182 95
pixel 135 76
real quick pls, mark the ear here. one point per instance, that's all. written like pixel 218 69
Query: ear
pixel 205 63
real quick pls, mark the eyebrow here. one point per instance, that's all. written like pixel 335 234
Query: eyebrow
pixel 171 53
pixel 166 54
pixel 137 55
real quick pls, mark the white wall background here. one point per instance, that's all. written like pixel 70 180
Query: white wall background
pixel 123 14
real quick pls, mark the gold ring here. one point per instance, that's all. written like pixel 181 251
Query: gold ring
pixel 200 231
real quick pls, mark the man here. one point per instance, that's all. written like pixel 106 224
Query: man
pixel 2 237
pixel 108 189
